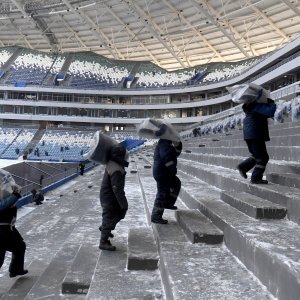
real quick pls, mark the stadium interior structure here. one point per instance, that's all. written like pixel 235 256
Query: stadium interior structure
pixel 69 68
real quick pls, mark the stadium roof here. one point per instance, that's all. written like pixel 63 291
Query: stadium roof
pixel 173 34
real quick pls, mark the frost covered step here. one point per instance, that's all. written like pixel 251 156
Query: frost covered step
pixel 268 248
pixel 113 281
pixel 198 228
pixel 231 162
pixel 284 140
pixel 142 251
pixel 54 274
pixel 20 288
pixel 78 279
pixel 254 206
pixel 227 180
pixel 207 272
pixel 291 180
pixel 275 152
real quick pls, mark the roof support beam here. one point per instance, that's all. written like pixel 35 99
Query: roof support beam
pixel 204 11
pixel 146 20
pixel 131 33
pixel 292 6
pixel 35 22
pixel 194 30
pixel 96 31
pixel 240 37
pixel 21 34
pixel 268 20
pixel 73 32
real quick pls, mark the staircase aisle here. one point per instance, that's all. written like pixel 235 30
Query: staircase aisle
pixel 196 270
pixel 62 255
pixel 229 239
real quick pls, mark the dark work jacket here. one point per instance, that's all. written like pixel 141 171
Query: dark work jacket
pixel 256 121
pixel 8 212
pixel 165 158
pixel 8 215
pixel 113 184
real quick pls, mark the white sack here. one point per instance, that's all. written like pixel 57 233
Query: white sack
pixel 247 93
pixel 100 147
pixel 7 184
pixel 156 129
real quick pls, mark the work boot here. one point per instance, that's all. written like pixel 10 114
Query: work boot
pixel 106 245
pixel 110 235
pixel 20 273
pixel 242 172
pixel 259 181
pixel 156 216
pixel 172 207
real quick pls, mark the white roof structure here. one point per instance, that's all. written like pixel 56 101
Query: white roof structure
pixel 173 34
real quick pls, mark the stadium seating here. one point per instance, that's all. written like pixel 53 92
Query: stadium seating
pixel 90 71
pixel 5 54
pixel 62 145
pixel 31 67
pixel 17 146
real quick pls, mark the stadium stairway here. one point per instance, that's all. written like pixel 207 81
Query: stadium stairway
pixel 229 239
pixel 35 140
pixel 63 257
pixel 252 217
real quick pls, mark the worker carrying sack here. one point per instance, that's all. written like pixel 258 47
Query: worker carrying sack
pixel 156 129
pixel 247 93
pixel 7 184
pixel 100 148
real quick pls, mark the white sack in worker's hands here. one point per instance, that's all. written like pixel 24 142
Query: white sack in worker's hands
pixel 100 148
pixel 246 93
pixel 7 184
pixel 157 129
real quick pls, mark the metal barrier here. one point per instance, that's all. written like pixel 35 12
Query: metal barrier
pixel 38 175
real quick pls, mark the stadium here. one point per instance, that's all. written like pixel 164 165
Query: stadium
pixel 70 68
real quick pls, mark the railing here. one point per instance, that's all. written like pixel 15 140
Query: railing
pixel 38 175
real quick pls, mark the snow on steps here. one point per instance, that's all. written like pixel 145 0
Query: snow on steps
pixel 196 271
pixel 198 228
pixel 268 248
pixel 254 206
pixel 230 180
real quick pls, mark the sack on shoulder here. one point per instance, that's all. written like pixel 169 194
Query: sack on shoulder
pixel 7 184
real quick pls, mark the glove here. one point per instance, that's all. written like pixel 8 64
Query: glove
pixel 17 194
pixel 247 107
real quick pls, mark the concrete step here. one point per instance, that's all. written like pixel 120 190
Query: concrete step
pixel 22 285
pixel 284 129
pixel 277 153
pixel 274 166
pixel 230 180
pixel 198 228
pixel 268 248
pixel 254 206
pixel 285 140
pixel 197 271
pixel 291 180
pixel 142 251
pixel 48 284
pixel 78 279
pixel 112 280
